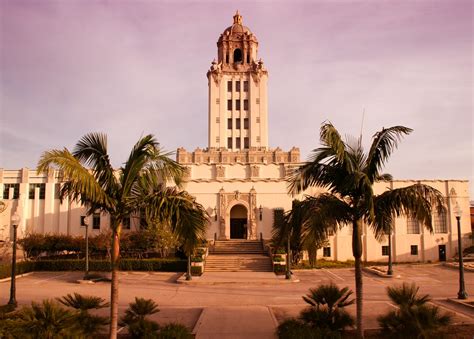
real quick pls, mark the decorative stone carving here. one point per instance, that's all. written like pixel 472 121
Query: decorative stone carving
pixel 254 171
pixel 230 199
pixel 220 171
pixel 215 71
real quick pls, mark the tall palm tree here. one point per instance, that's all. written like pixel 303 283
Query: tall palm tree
pixel 139 185
pixel 348 174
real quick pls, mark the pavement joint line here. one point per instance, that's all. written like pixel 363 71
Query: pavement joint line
pixel 199 321
pixel 457 312
pixel 51 278
pixel 272 315
pixel 333 274
pixel 16 276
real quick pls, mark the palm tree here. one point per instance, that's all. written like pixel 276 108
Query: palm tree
pixel 414 318
pixel 46 320
pixel 349 174
pixel 135 318
pixel 294 229
pixel 89 324
pixel 139 185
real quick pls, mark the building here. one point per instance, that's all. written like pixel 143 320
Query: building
pixel 238 178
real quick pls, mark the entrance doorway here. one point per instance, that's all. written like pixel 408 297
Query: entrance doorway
pixel 238 222
pixel 442 252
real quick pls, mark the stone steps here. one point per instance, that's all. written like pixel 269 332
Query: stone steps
pixel 237 246
pixel 238 263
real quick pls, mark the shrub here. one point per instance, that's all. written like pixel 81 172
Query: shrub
pixel 278 258
pixel 326 309
pixel 279 269
pixel 197 259
pixel 21 268
pixel 174 331
pixel 296 329
pixel 414 318
pixel 45 320
pixel 196 270
pixel 135 318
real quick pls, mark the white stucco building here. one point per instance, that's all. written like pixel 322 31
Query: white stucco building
pixel 238 178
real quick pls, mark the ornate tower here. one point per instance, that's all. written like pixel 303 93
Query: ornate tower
pixel 237 82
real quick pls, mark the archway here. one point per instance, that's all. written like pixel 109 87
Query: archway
pixel 237 55
pixel 238 222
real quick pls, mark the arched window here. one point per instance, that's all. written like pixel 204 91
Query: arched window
pixel 237 55
pixel 227 58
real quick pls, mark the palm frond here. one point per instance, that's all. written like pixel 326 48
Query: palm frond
pixel 91 150
pixel 383 144
pixel 80 184
pixel 415 201
pixel 83 302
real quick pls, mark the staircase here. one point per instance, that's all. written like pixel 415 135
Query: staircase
pixel 238 256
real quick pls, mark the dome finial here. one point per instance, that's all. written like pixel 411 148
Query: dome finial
pixel 237 18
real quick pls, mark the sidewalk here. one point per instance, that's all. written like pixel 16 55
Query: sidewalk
pixel 240 278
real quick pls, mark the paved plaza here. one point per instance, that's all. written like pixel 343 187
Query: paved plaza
pixel 250 305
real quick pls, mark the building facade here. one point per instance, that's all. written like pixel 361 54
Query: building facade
pixel 238 178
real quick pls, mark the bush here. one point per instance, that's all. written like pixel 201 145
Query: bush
pixel 414 318
pixel 174 331
pixel 197 259
pixel 296 329
pixel 196 270
pixel 21 268
pixel 278 258
pixel 279 269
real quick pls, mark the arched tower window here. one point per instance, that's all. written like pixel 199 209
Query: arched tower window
pixel 227 58
pixel 237 55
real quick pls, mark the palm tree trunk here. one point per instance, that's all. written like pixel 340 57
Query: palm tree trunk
pixel 115 282
pixel 357 252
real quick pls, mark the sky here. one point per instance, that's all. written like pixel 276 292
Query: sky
pixel 130 68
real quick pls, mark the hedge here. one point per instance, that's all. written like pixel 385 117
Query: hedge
pixel 21 267
pixel 165 265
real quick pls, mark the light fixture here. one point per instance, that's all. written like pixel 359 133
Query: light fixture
pixel 261 212
pixel 457 210
pixel 15 219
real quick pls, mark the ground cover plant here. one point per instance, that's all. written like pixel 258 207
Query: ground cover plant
pixel 414 318
pixel 324 318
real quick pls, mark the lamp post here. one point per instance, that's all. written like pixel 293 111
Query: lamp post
pixel 86 225
pixel 390 270
pixel 15 220
pixel 462 291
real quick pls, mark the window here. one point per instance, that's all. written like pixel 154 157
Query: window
pixel 258 120
pixel 237 123
pixel 57 191
pixel 218 139
pixel 229 86
pixel 246 123
pixel 227 58
pixel 96 221
pixel 440 223
pixel 218 101
pixel 237 104
pixel 126 223
pixel 237 142
pixel 6 191
pixel 384 250
pixel 326 251
pixel 414 249
pixel 218 120
pixel 413 227
pixel 246 142
pixel 248 57
pixel 229 142
pixel 237 86
pixel 246 105
pixel 257 100
pixel 229 105
pixel 258 138
pixel 246 86
pixel 42 190
pixel 229 123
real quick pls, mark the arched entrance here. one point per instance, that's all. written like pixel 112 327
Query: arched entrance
pixel 238 222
